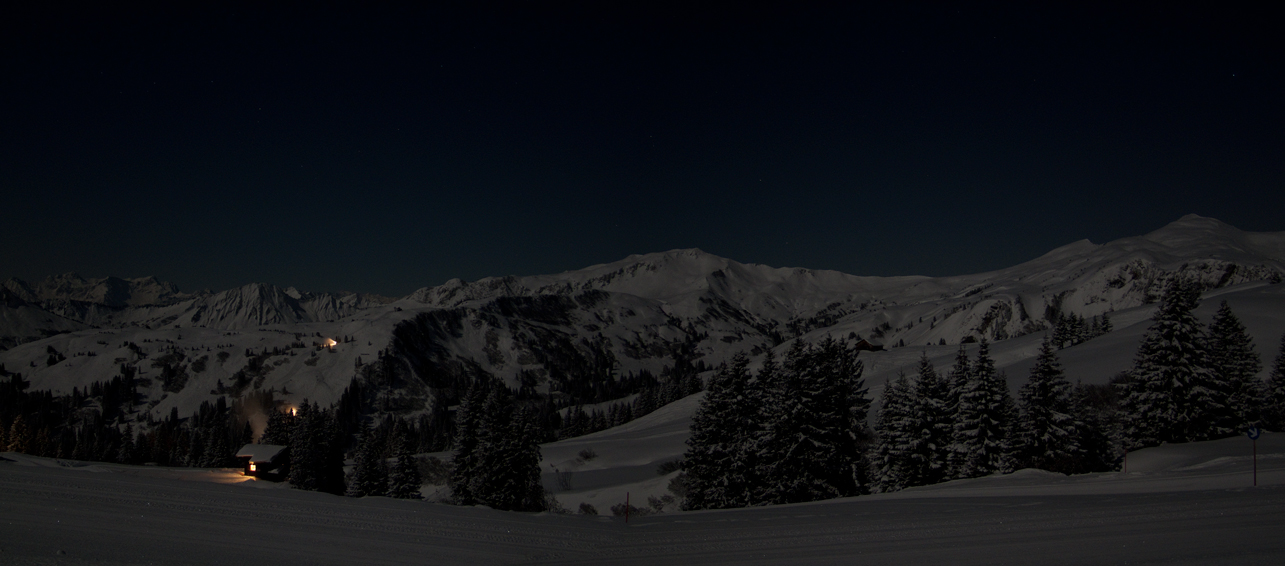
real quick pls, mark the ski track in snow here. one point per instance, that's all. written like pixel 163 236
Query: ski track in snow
pixel 1186 504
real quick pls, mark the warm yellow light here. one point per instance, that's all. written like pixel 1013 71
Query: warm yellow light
pixel 330 343
pixel 252 467
pixel 294 412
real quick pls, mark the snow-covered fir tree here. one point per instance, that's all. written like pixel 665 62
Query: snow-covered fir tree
pixel 369 476
pixel 498 452
pixel 218 452
pixel 1236 365
pixel 404 480
pixel 1098 437
pixel 277 431
pixel 961 373
pixel 717 463
pixel 468 423
pixel 1171 395
pixel 316 451
pixel 982 419
pixel 1274 414
pixel 934 426
pixel 896 430
pixel 511 456
pixel 126 453
pixel 1047 432
pixel 812 449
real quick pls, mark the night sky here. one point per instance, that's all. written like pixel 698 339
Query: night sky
pixel 382 151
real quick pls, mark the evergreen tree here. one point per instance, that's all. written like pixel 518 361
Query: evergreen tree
pixel 126 453
pixel 247 435
pixel 440 432
pixel 1059 331
pixel 1274 414
pixel 404 480
pixel 522 473
pixel 369 476
pixel 961 375
pixel 217 451
pixel 979 441
pixel 499 446
pixel 303 460
pixel 1047 432
pixel 896 430
pixel 1236 364
pixel 468 423
pixel 933 426
pixel 194 455
pixel 316 451
pixel 510 457
pixel 1171 396
pixel 1008 417
pixel 277 432
pixel 1098 437
pixel 19 436
pixel 722 431
pixel 816 440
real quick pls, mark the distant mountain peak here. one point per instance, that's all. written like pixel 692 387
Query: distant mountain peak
pixel 1194 232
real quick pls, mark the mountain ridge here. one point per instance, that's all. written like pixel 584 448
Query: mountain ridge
pixel 641 313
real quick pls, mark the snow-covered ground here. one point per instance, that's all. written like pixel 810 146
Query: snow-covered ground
pixel 1178 504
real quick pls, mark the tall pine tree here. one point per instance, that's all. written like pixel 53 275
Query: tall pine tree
pixel 815 441
pixel 1274 414
pixel 498 452
pixel 369 475
pixel 1047 431
pixel 1171 396
pixel 404 480
pixel 468 425
pixel 1236 365
pixel 895 427
pixel 316 451
pixel 981 424
pixel 717 461
pixel 934 426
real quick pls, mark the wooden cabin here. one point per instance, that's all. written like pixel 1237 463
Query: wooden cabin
pixel 865 345
pixel 266 461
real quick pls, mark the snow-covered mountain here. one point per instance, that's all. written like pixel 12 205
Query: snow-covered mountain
pixel 146 302
pixel 748 306
pixel 634 314
pixel 107 291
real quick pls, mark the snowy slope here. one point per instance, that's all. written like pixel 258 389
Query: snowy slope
pixel 1192 504
pixel 27 322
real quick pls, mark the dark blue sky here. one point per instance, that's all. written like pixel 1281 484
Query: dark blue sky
pixel 382 151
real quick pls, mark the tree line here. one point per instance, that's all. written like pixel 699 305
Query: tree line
pixel 795 431
pixel 1187 383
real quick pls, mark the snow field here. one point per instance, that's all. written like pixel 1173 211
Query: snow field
pixel 1186 504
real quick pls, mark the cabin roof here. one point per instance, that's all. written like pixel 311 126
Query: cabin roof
pixel 259 452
